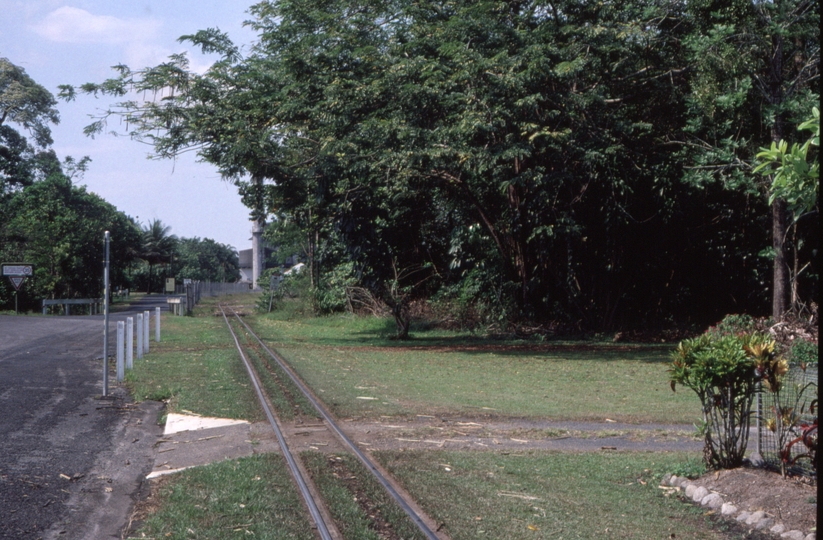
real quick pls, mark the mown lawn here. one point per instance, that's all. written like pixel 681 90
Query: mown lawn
pixel 473 494
pixel 542 495
pixel 347 359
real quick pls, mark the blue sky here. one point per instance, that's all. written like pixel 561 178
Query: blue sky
pixel 59 42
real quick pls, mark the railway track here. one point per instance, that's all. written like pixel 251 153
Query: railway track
pixel 323 522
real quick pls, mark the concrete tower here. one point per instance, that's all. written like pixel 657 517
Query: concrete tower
pixel 257 253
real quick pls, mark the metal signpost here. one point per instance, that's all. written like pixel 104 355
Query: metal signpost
pixel 17 274
pixel 106 321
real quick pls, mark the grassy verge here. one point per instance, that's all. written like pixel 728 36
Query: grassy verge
pixel 195 368
pixel 246 498
pixel 536 495
pixel 352 365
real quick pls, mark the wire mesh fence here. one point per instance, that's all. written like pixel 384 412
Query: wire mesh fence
pixel 213 288
pixel 188 293
pixel 787 426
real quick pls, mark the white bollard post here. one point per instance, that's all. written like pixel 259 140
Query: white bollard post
pixel 139 336
pixel 157 324
pixel 120 368
pixel 146 326
pixel 129 342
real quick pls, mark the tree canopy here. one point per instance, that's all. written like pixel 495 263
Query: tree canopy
pixel 542 159
pixel 58 227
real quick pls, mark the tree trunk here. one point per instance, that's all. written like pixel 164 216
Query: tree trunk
pixel 780 276
pixel 781 281
pixel 402 321
pixel 515 241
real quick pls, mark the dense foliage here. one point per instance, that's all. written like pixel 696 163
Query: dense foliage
pixel 46 220
pixel 58 227
pixel 585 163
pixel 162 255
pixel 206 260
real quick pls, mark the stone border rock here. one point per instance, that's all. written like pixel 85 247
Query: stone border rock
pixel 758 520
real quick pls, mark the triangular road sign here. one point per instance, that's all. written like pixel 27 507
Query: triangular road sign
pixel 17 281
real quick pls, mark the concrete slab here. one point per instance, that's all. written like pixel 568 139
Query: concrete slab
pixel 181 450
pixel 176 423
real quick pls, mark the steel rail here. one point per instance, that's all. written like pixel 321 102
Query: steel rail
pixel 322 528
pixel 367 462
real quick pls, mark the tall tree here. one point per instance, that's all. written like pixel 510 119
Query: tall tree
pixel 27 104
pixel 518 150
pixel 755 69
pixel 157 246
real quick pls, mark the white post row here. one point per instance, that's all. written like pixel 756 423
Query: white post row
pixel 146 327
pixel 139 336
pixel 157 324
pixel 121 374
pixel 129 342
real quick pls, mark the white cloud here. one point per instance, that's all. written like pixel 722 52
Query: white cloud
pixel 73 25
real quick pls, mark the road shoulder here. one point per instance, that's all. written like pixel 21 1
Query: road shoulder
pixel 101 502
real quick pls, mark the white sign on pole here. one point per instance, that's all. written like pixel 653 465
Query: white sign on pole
pixel 17 269
pixel 17 273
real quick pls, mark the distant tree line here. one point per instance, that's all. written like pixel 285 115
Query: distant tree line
pixel 584 163
pixel 58 227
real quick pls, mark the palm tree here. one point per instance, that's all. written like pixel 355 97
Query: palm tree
pixel 158 246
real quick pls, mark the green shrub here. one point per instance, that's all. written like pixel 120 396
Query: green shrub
pixel 732 325
pixel 293 285
pixel 480 299
pixel 268 299
pixel 723 369
pixel 803 351
pixel 330 295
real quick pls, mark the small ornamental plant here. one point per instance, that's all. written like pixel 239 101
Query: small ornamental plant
pixel 724 369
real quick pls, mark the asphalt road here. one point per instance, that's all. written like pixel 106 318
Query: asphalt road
pixel 71 460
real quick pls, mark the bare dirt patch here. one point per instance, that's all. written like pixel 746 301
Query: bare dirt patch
pixel 147 504
pixel 496 434
pixel 790 501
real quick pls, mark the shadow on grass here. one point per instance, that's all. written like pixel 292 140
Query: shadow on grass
pixel 379 333
pixel 479 345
